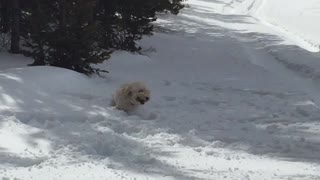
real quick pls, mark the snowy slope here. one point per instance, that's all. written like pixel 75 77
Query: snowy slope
pixel 295 18
pixel 231 99
pixel 298 18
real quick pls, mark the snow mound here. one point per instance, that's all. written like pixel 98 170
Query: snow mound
pixel 229 100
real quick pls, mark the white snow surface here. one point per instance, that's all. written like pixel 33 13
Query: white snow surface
pixel 231 98
pixel 294 18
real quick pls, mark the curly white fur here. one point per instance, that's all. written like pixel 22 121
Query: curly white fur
pixel 130 95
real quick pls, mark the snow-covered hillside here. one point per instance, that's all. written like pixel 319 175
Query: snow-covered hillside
pixel 295 18
pixel 298 18
pixel 231 98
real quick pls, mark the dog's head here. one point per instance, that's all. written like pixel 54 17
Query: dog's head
pixel 138 93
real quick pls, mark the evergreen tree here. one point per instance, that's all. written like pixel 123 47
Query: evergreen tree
pixel 4 16
pixel 15 26
pixel 37 22
pixel 127 21
pixel 75 41
pixel 10 22
pixel 74 34
pixel 63 33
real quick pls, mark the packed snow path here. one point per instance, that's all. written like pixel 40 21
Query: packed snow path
pixel 231 99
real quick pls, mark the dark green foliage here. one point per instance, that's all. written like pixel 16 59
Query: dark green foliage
pixel 77 33
pixel 4 16
pixel 127 21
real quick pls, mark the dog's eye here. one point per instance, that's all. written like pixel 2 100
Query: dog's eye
pixel 141 90
pixel 147 98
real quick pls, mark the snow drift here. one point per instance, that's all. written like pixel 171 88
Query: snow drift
pixel 295 17
pixel 229 101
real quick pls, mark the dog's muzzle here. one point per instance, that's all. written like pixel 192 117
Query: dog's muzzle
pixel 140 100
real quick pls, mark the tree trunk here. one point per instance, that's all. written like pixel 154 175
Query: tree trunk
pixel 36 21
pixel 15 27
pixel 63 14
pixel 5 20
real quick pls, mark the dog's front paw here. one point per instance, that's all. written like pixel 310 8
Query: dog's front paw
pixel 112 102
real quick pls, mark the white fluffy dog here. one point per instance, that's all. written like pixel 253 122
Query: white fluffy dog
pixel 130 95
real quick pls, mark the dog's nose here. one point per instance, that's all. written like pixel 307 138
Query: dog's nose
pixel 147 98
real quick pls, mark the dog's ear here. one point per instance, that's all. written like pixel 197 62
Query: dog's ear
pixel 128 91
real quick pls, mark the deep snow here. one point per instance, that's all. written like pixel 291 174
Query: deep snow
pixel 294 19
pixel 232 98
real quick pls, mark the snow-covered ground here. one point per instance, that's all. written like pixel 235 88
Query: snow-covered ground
pixel 295 19
pixel 232 98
